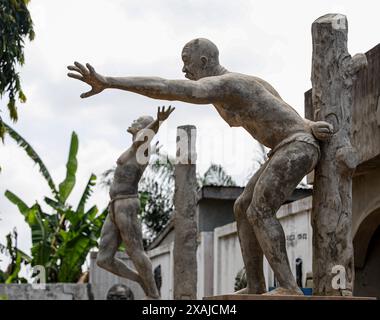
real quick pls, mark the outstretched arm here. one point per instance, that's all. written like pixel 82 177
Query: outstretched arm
pixel 204 91
pixel 146 135
pixel 150 131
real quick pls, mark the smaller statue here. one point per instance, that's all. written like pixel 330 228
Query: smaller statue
pixel 120 292
pixel 122 224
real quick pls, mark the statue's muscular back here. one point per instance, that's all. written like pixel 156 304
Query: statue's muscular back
pixel 127 174
pixel 253 104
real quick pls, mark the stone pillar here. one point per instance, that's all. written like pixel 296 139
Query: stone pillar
pixel 185 223
pixel 333 73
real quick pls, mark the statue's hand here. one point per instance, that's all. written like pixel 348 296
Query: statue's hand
pixel 322 130
pixel 163 114
pixel 97 82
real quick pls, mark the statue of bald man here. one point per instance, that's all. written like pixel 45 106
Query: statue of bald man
pixel 252 103
pixel 122 224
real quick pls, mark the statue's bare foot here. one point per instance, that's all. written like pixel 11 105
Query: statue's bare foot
pixel 242 291
pixel 280 291
pixel 246 290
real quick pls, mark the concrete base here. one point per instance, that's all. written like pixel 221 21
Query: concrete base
pixel 52 291
pixel 229 297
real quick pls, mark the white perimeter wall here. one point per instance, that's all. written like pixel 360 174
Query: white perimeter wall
pixel 219 257
pixel 295 219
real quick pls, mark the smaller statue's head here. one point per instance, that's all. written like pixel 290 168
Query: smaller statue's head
pixel 120 292
pixel 200 59
pixel 139 124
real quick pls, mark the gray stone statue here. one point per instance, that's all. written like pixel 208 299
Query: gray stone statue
pixel 122 224
pixel 120 292
pixel 248 102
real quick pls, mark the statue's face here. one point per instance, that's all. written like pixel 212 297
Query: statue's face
pixel 192 64
pixel 120 292
pixel 139 124
pixel 134 127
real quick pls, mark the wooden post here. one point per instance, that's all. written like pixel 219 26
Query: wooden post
pixel 333 73
pixel 185 223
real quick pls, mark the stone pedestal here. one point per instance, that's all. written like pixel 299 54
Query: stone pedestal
pixel 257 297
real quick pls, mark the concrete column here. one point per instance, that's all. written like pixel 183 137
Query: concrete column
pixel 185 220
pixel 333 73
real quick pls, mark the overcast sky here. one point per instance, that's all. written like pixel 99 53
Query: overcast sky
pixel 270 39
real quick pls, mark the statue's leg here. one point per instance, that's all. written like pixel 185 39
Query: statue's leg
pixel 284 171
pixel 110 241
pixel 126 211
pixel 250 247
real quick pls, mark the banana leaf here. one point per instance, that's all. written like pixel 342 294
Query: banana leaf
pixel 73 255
pixel 62 240
pixel 68 184
pixel 18 258
pixel 34 217
pixel 91 213
pixel 75 219
pixel 21 205
pixel 56 205
pixel 87 193
pixel 33 155
pixel 16 269
pixel 99 221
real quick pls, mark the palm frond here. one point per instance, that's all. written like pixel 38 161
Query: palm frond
pixel 86 193
pixel 33 155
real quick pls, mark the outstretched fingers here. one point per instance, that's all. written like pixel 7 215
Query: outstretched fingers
pixel 81 67
pixel 88 94
pixel 171 109
pixel 74 68
pixel 75 76
pixel 90 68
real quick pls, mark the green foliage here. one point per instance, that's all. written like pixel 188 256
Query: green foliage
pixel 156 190
pixel 241 280
pixel 67 185
pixel 62 237
pixel 2 131
pixel 81 237
pixel 15 24
pixel 215 175
pixel 17 259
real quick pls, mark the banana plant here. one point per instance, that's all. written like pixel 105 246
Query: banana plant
pixel 17 259
pixel 62 237
pixel 215 175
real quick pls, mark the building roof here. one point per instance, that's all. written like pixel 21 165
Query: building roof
pixel 219 192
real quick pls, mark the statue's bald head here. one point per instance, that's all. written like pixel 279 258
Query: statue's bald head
pixel 203 47
pixel 140 123
pixel 200 57
pixel 144 121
